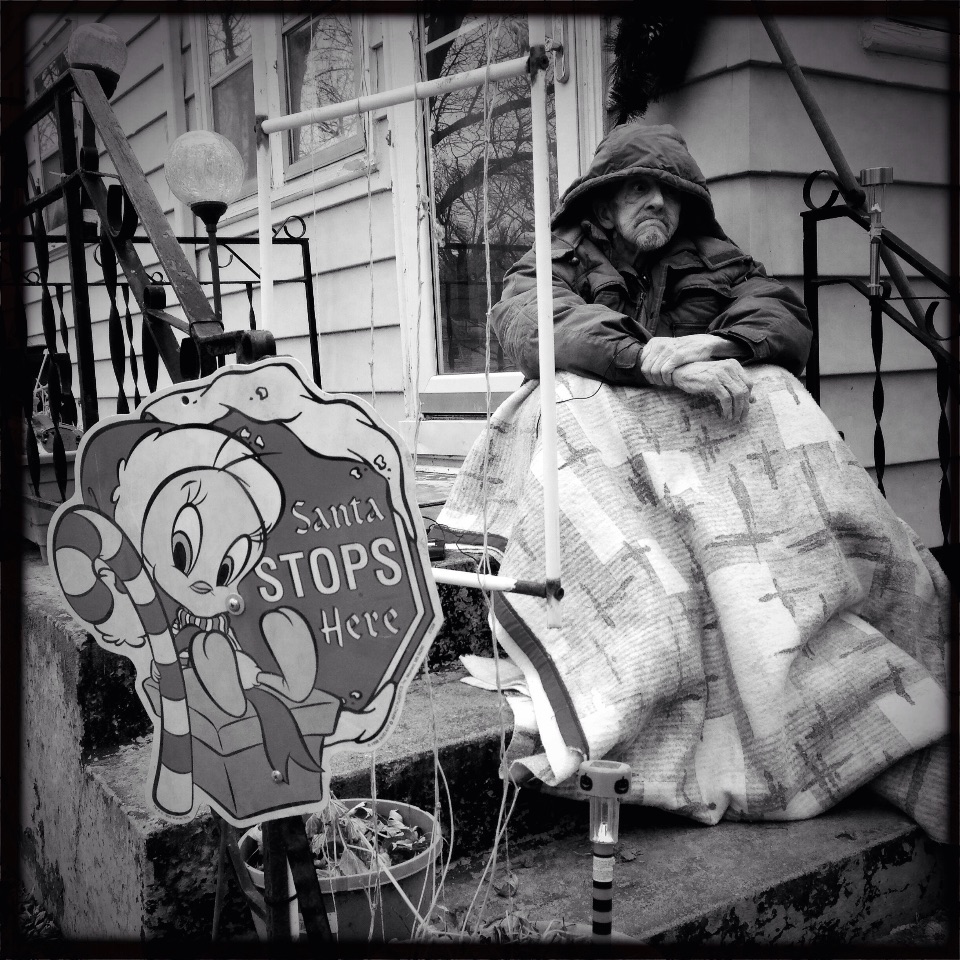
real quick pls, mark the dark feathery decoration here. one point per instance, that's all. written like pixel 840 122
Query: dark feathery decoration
pixel 652 50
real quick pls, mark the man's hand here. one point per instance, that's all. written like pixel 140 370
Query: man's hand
pixel 663 356
pixel 721 379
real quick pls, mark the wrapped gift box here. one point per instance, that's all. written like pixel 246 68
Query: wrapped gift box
pixel 230 764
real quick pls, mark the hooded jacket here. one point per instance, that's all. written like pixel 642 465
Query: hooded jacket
pixel 700 283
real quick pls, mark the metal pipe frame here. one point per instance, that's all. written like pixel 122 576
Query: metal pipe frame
pixel 391 98
pixel 532 64
pixel 489 582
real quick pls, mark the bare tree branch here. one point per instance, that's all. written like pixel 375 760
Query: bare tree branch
pixel 474 176
pixel 498 110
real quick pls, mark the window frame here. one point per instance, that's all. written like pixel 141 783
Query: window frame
pixel 580 115
pixel 205 84
pixel 327 156
pixel 286 187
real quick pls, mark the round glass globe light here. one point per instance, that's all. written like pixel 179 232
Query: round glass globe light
pixel 203 166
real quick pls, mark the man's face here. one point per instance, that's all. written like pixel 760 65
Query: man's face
pixel 643 212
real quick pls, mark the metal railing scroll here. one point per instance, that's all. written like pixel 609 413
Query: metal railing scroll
pixel 943 347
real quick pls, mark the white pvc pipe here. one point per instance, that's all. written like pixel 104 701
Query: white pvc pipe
pixel 265 233
pixel 477 581
pixel 389 98
pixel 548 389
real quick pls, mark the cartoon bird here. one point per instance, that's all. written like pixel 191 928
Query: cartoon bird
pixel 192 508
pixel 274 393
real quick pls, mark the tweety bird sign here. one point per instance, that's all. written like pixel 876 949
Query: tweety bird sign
pixel 252 544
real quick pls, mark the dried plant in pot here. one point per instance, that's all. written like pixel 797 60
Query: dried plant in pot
pixel 375 863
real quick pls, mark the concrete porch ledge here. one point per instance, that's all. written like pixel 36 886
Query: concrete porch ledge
pixel 86 752
pixel 85 818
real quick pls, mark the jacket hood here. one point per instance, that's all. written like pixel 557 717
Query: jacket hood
pixel 635 149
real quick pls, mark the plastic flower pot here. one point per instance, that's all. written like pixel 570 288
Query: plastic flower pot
pixel 350 902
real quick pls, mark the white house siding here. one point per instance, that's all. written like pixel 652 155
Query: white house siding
pixel 745 125
pixel 747 128
pixel 349 226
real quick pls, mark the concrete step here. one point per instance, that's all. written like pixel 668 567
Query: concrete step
pixel 105 867
pixel 163 875
pixel 86 749
pixel 434 484
pixel 850 876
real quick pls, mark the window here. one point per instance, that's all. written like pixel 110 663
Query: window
pixel 320 66
pixel 455 42
pixel 317 61
pixel 230 69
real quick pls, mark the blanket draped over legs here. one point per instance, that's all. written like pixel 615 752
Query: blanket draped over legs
pixel 745 620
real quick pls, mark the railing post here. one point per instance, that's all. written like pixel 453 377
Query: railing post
pixel 811 299
pixel 849 187
pixel 876 342
pixel 78 263
pixel 264 227
pixel 312 331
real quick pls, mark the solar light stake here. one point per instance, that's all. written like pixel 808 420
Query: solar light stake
pixel 606 781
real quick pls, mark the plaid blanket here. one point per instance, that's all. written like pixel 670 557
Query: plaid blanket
pixel 745 620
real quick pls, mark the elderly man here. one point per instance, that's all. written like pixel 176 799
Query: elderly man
pixel 648 290
pixel 721 631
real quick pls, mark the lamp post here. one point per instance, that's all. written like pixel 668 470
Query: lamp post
pixel 205 171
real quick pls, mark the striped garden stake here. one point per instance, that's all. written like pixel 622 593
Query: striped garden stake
pixel 605 782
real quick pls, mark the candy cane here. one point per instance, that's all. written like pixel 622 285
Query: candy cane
pixel 81 537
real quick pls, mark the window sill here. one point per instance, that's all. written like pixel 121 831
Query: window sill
pixel 453 411
pixel 334 155
pixel 465 393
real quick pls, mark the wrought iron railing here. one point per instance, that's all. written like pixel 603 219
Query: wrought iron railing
pixel 56 387
pixel 943 347
pixel 190 345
